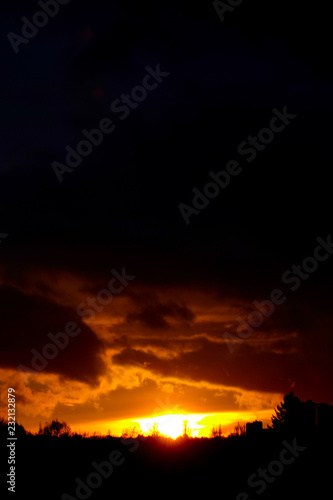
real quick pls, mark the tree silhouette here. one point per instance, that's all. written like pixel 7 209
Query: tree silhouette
pixel 288 413
pixel 155 432
pixel 127 433
pixel 239 430
pixel 55 429
pixel 217 431
pixel 187 432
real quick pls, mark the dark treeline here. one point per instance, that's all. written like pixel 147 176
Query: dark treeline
pixel 287 460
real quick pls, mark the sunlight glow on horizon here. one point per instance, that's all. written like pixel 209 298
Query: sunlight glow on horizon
pixel 172 425
pixel 201 425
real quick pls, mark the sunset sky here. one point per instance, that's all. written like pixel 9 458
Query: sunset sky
pixel 159 346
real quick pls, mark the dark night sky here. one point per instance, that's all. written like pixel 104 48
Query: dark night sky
pixel 119 207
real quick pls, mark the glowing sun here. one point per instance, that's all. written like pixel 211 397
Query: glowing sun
pixel 171 425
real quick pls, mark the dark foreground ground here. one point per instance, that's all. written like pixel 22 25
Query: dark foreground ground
pixel 48 468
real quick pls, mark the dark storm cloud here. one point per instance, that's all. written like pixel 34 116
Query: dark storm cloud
pixel 209 363
pixel 154 316
pixel 223 85
pixel 26 321
pixel 120 206
pixel 273 360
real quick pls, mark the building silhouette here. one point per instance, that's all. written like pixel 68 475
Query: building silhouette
pixel 253 428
